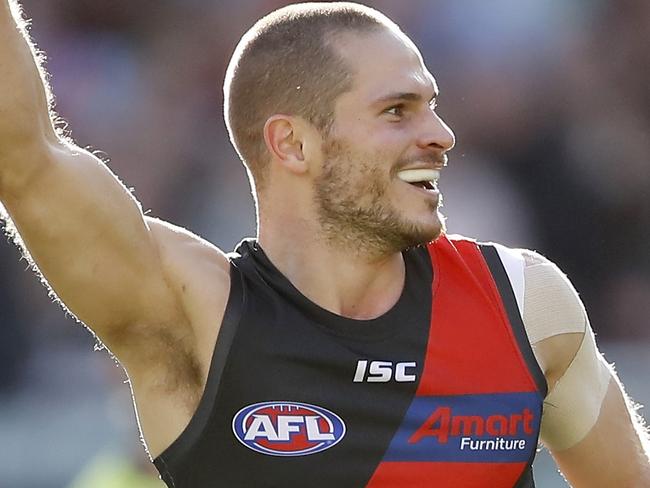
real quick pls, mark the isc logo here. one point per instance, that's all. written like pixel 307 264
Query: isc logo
pixel 382 371
pixel 287 428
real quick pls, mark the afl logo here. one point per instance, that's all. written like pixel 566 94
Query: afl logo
pixel 287 428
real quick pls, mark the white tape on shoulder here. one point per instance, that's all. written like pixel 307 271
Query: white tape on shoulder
pixel 551 304
pixel 572 407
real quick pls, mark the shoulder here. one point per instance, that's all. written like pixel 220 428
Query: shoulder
pixel 552 305
pixel 199 273
pixel 191 263
pixel 553 314
pixel 183 251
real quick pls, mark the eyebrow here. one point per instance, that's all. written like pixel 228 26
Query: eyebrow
pixel 404 96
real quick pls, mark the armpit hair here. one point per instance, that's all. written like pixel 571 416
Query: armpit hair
pixel 165 358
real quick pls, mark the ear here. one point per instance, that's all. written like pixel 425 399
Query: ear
pixel 284 142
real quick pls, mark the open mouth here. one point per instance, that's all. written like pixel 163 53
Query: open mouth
pixel 425 185
pixel 425 179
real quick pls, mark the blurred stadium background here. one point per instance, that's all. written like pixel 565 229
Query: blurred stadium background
pixel 550 102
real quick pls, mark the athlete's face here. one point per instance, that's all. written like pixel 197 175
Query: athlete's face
pixel 386 124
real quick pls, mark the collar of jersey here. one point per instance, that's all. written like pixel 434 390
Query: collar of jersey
pixel 379 328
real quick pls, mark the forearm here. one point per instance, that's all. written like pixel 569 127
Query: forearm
pixel 24 107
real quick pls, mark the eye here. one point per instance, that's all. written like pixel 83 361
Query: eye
pixel 396 110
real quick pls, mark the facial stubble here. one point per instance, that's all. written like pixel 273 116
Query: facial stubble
pixel 353 208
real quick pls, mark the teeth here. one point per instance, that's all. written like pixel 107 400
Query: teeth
pixel 417 175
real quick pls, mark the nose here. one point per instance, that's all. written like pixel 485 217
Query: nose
pixel 436 133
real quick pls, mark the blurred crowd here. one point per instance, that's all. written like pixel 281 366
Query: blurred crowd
pixel 549 100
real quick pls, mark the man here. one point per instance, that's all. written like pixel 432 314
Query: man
pixel 353 343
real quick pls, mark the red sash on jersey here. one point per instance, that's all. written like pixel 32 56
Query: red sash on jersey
pixel 474 421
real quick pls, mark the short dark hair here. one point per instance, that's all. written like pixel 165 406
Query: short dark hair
pixel 287 63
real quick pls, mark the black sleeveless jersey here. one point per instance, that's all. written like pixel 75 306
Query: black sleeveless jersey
pixel 298 396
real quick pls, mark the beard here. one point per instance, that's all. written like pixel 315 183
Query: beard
pixel 353 208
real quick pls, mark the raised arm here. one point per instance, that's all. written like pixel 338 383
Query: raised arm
pixel 84 230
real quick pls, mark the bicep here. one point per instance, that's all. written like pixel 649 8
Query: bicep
pixel 88 237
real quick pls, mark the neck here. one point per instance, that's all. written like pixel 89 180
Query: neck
pixel 340 279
